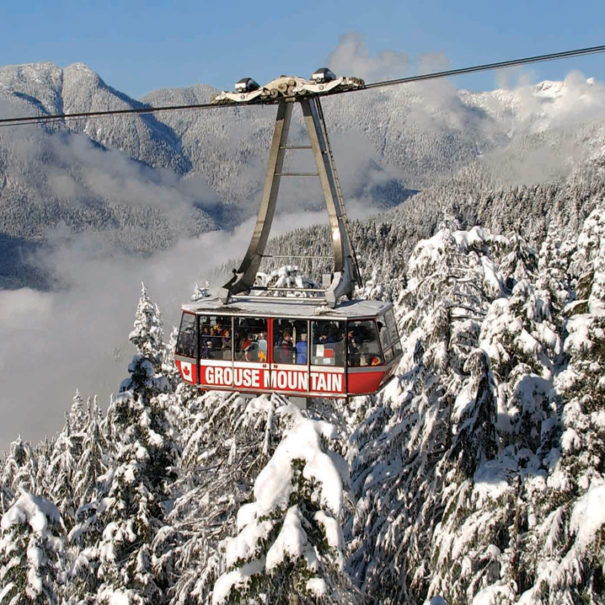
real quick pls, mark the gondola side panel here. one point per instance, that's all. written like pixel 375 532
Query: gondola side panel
pixel 187 369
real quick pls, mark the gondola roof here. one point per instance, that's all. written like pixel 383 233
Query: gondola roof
pixel 291 307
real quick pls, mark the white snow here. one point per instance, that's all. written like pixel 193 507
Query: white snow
pixel 578 339
pixel 291 542
pixel 490 481
pixel 238 578
pixel 317 587
pixel 493 595
pixel 244 545
pixel 331 529
pixel 119 598
pixel 33 510
pixel 273 486
pixel 588 515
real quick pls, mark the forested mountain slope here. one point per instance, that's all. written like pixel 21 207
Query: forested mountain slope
pixel 475 476
pixel 141 182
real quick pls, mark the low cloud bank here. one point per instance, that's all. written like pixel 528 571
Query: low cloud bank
pixel 52 343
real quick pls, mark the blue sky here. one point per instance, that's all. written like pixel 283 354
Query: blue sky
pixel 139 46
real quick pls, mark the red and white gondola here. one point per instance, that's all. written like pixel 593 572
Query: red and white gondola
pixel 294 349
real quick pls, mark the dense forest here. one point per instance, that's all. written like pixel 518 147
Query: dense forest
pixel 475 476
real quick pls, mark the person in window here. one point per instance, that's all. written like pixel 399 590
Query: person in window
pixel 284 352
pixel 353 349
pixel 216 337
pixel 262 347
pixel 251 352
pixel 205 342
pixel 301 350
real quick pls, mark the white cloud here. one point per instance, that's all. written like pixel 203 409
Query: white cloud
pixel 52 343
pixel 352 58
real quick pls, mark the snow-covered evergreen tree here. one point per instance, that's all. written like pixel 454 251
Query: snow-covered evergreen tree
pixel 289 544
pixel 32 565
pixel 431 430
pixel 148 334
pixel 20 467
pixel 118 525
pixel 568 507
pixel 94 457
pixel 6 498
pixel 60 474
pixel 226 440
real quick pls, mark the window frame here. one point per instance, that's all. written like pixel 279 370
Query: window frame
pixel 179 351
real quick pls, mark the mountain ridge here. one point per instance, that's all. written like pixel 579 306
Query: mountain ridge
pixel 387 145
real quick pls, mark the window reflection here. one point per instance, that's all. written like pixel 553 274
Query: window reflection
pixel 216 337
pixel 185 344
pixel 363 345
pixel 251 339
pixel 328 346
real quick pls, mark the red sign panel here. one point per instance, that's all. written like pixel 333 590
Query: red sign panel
pixel 257 378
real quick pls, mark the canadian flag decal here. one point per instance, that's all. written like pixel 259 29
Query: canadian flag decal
pixel 186 370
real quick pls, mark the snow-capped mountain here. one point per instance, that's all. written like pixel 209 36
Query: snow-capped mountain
pixel 44 88
pixel 387 143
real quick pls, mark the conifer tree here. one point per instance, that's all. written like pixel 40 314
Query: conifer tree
pixel 429 431
pixel 21 467
pixel 148 335
pixel 128 509
pixel 225 441
pixel 94 457
pixel 60 476
pixel 569 521
pixel 289 543
pixel 6 498
pixel 119 524
pixel 32 566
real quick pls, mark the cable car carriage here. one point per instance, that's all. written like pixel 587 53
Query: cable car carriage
pixel 310 351
pixel 302 342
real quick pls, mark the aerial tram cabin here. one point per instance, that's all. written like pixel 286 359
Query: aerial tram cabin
pixel 291 348
pixel 300 342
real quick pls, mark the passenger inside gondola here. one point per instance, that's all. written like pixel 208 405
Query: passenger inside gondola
pixel 284 351
pixel 287 335
pixel 353 349
pixel 262 347
pixel 301 349
pixel 226 343
pixel 328 343
pixel 363 344
pixel 215 337
pixel 250 339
